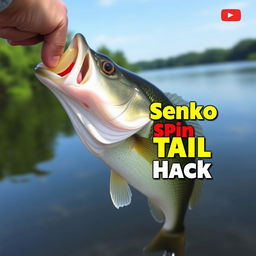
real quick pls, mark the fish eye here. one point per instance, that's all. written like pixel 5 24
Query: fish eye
pixel 108 68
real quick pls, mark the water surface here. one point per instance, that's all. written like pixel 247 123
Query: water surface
pixel 54 195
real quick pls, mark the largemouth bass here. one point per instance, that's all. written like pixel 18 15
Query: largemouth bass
pixel 109 109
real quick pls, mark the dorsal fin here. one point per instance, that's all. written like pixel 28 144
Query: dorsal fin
pixel 178 100
pixel 197 127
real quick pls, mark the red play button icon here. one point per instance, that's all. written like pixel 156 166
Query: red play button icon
pixel 231 15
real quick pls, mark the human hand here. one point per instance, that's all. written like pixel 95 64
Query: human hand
pixel 28 22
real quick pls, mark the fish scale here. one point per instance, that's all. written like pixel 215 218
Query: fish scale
pixel 109 110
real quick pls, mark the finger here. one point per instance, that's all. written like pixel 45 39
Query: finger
pixel 31 41
pixel 53 45
pixel 15 34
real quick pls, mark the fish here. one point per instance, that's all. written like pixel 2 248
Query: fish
pixel 109 108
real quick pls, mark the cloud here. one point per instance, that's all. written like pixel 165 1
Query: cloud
pixel 215 10
pixel 217 25
pixel 221 26
pixel 237 5
pixel 115 41
pixel 106 3
pixel 226 26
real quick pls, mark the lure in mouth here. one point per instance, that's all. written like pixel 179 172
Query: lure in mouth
pixel 73 67
pixel 101 98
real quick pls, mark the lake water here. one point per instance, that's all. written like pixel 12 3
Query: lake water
pixel 54 195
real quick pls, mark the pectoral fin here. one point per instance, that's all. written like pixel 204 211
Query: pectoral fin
pixel 145 147
pixel 145 131
pixel 120 192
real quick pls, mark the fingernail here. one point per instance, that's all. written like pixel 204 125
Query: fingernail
pixel 55 60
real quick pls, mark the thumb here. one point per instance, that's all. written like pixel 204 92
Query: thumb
pixel 53 45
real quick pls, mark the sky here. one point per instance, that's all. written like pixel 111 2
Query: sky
pixel 149 29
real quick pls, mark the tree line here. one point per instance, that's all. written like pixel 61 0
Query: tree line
pixel 31 118
pixel 17 63
pixel 244 50
pixel 17 68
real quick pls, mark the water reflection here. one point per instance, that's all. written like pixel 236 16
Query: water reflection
pixel 70 213
pixel 28 130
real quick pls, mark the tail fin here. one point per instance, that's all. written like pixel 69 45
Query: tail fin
pixel 167 241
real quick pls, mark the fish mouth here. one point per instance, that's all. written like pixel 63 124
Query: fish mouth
pixel 73 67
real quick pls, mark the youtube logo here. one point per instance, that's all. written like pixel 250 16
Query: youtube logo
pixel 231 15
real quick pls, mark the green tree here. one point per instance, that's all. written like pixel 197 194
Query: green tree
pixel 252 56
pixel 213 55
pixel 118 57
pixel 242 50
pixel 17 69
pixel 104 50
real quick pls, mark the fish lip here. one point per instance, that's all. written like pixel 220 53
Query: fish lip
pixel 78 44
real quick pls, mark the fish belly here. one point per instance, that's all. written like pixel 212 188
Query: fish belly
pixel 168 195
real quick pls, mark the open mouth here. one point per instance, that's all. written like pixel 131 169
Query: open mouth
pixel 74 64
